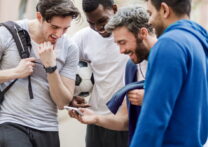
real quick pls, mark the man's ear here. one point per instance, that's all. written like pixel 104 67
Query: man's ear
pixel 115 8
pixel 164 10
pixel 142 33
pixel 39 17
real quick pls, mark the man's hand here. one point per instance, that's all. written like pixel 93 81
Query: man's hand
pixel 88 117
pixel 136 96
pixel 25 67
pixel 79 102
pixel 47 55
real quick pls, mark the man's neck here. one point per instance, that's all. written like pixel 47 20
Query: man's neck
pixel 150 41
pixel 35 31
pixel 175 19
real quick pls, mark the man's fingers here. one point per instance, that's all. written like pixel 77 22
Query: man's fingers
pixel 84 106
pixel 132 95
pixel 75 104
pixel 132 100
pixel 73 114
pixel 30 59
pixel 80 101
pixel 70 113
pixel 135 104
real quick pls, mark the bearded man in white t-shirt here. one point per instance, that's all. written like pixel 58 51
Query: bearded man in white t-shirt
pixel 134 37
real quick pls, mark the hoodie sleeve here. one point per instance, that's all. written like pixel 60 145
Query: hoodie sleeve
pixel 166 71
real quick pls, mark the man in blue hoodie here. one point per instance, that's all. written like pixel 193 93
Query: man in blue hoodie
pixel 175 105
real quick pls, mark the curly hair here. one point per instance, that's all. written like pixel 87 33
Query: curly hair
pixel 132 17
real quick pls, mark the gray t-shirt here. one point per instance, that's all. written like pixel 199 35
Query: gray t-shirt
pixel 41 112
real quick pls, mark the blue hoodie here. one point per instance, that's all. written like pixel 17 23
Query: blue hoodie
pixel 175 106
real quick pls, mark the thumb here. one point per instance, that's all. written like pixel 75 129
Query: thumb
pixel 81 109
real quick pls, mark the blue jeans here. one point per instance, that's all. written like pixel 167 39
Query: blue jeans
pixel 15 135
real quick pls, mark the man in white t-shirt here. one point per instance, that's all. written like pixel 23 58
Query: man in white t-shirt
pixel 52 64
pixel 98 47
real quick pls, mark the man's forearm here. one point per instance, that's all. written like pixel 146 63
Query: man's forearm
pixel 7 75
pixel 60 93
pixel 113 122
pixel 118 122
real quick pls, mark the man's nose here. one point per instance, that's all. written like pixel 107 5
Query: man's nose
pixel 59 33
pixel 122 50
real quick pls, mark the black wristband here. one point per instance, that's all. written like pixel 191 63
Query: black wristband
pixel 50 69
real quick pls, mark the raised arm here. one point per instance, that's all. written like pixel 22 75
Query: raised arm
pixel 61 88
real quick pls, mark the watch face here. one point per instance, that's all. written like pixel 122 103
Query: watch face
pixel 50 69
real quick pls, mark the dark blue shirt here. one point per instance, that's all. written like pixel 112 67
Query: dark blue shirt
pixel 133 111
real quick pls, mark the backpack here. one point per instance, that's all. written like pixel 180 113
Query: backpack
pixel 23 42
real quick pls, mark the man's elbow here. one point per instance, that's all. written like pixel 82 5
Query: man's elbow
pixel 64 102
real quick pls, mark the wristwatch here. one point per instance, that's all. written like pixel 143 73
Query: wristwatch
pixel 50 69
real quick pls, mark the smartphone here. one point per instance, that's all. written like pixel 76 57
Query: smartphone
pixel 73 108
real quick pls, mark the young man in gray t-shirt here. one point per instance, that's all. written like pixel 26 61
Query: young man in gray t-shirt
pixel 26 122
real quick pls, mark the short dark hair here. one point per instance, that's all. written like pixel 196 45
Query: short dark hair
pixel 180 7
pixel 91 5
pixel 51 8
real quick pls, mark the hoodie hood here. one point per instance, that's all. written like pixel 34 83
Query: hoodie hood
pixel 195 29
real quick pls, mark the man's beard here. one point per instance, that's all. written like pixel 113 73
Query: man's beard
pixel 159 31
pixel 141 51
pixel 159 28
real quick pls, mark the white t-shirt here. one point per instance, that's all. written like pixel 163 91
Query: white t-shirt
pixel 107 63
pixel 41 112
pixel 141 70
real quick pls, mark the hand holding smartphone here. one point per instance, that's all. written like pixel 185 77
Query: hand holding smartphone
pixel 73 108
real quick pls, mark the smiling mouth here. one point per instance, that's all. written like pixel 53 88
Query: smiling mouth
pixel 130 53
pixel 53 37
pixel 102 32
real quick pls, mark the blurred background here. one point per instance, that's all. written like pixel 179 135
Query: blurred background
pixel 72 133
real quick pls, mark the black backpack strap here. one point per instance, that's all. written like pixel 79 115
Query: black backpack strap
pixel 5 90
pixel 30 87
pixel 21 38
pixel 23 42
